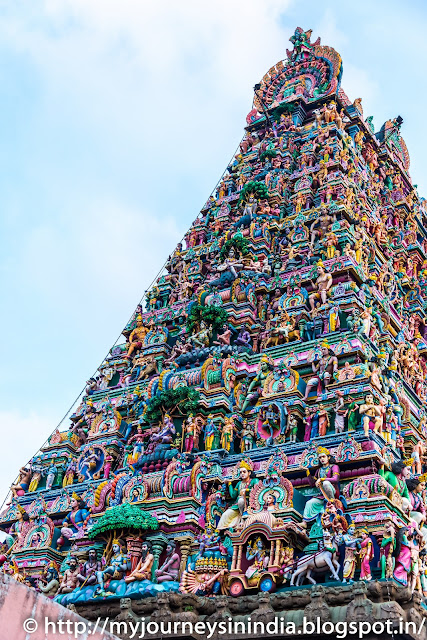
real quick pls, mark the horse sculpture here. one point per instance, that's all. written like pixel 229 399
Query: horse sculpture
pixel 323 560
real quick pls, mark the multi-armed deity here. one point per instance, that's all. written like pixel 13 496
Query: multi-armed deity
pixel 264 424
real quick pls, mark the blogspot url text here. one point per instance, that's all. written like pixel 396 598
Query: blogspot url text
pixel 226 627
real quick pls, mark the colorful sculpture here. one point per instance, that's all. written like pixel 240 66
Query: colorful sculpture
pixel 271 391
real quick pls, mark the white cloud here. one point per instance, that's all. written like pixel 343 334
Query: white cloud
pixel 22 436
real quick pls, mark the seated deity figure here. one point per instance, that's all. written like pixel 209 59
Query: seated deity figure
pixel 233 515
pixel 142 570
pixel 224 338
pixel 231 263
pixel 164 435
pixel 49 582
pixel 202 337
pixel 170 568
pixel 326 479
pixel 137 336
pixel 244 338
pixel 119 564
pixel 87 574
pixel 69 580
pixel 21 487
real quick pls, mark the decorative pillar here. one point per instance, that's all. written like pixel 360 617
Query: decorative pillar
pixel 277 557
pixel 272 552
pixel 134 545
pixel 233 562
pixel 184 547
pixel 157 545
pixel 239 557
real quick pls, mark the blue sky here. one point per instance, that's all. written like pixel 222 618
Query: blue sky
pixel 117 120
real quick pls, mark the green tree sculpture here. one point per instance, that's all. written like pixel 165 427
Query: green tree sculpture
pixel 120 521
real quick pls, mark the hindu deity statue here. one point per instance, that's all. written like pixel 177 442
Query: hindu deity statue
pixel 402 556
pixel 212 434
pixel 142 570
pixel 247 435
pixel 74 524
pixel 169 570
pixel 233 515
pixel 69 581
pixel 255 388
pixel 189 429
pixel 397 475
pixel 366 554
pixel 117 567
pixel 340 412
pixel 227 433
pixel 49 581
pixel 163 436
pixel 87 574
pixel 352 546
pixel 326 479
pixel 323 284
pixel 137 337
pixel 23 484
pixel 372 415
pixel 416 489
pixel 387 560
pixel 202 337
pixel 258 554
pixel 324 369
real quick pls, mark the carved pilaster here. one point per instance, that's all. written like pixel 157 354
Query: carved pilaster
pixel 184 547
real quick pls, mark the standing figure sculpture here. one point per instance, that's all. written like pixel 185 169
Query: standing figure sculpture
pixel 323 284
pixel 324 369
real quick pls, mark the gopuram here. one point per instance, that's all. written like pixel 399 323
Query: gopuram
pixel 258 443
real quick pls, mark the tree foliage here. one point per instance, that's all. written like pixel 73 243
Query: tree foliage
pixel 239 243
pixel 282 108
pixel 211 315
pixel 268 153
pixel 258 189
pixel 121 518
pixel 181 401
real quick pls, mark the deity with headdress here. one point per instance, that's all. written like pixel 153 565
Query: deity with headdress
pixel 326 479
pixel 232 516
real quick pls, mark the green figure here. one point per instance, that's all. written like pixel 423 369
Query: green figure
pixel 353 416
pixel 397 479
pixel 233 515
pixel 254 390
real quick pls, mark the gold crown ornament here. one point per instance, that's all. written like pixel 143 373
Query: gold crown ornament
pixel 246 464
pixel 323 450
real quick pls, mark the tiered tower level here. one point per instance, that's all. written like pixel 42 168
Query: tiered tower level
pixel 263 426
